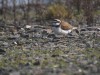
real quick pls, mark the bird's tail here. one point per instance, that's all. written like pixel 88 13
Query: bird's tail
pixel 76 29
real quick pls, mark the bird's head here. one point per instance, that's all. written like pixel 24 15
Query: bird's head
pixel 56 23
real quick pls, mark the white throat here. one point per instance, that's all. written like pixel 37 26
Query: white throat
pixel 56 24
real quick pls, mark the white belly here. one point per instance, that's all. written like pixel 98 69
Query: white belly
pixel 60 31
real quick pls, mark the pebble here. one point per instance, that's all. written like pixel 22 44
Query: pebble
pixel 2 51
pixel 28 26
pixel 15 73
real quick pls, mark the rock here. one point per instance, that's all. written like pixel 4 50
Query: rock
pixel 94 68
pixel 2 33
pixel 2 51
pixel 13 37
pixel 79 70
pixel 15 43
pixel 20 42
pixel 83 29
pixel 22 30
pixel 49 31
pixel 14 73
pixel 37 35
pixel 3 72
pixel 51 36
pixel 13 30
pixel 38 26
pixel 98 29
pixel 25 35
pixel 70 36
pixel 2 24
pixel 55 55
pixel 36 63
pixel 44 34
pixel 5 44
pixel 28 26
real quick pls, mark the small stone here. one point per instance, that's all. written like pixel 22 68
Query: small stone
pixel 13 37
pixel 25 35
pixel 15 43
pixel 2 33
pixel 51 36
pixel 93 68
pixel 28 26
pixel 37 35
pixel 37 62
pixel 15 73
pixel 98 29
pixel 80 70
pixel 55 55
pixel 22 30
pixel 5 44
pixel 2 51
pixel 83 29
pixel 95 62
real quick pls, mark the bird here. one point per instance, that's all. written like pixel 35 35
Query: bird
pixel 62 27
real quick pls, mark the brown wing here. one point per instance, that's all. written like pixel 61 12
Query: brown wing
pixel 65 25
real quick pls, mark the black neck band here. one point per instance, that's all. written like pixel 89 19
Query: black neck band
pixel 55 25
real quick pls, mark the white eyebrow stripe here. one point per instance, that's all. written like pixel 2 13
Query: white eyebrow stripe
pixel 55 23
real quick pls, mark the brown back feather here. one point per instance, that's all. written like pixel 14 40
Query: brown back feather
pixel 65 25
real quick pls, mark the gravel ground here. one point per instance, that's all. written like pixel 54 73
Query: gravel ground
pixel 36 50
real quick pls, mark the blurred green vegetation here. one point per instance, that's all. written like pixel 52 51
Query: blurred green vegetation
pixel 46 58
pixel 77 9
pixel 57 11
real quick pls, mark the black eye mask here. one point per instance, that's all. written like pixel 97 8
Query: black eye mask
pixel 54 22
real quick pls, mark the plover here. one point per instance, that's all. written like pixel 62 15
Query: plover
pixel 62 27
